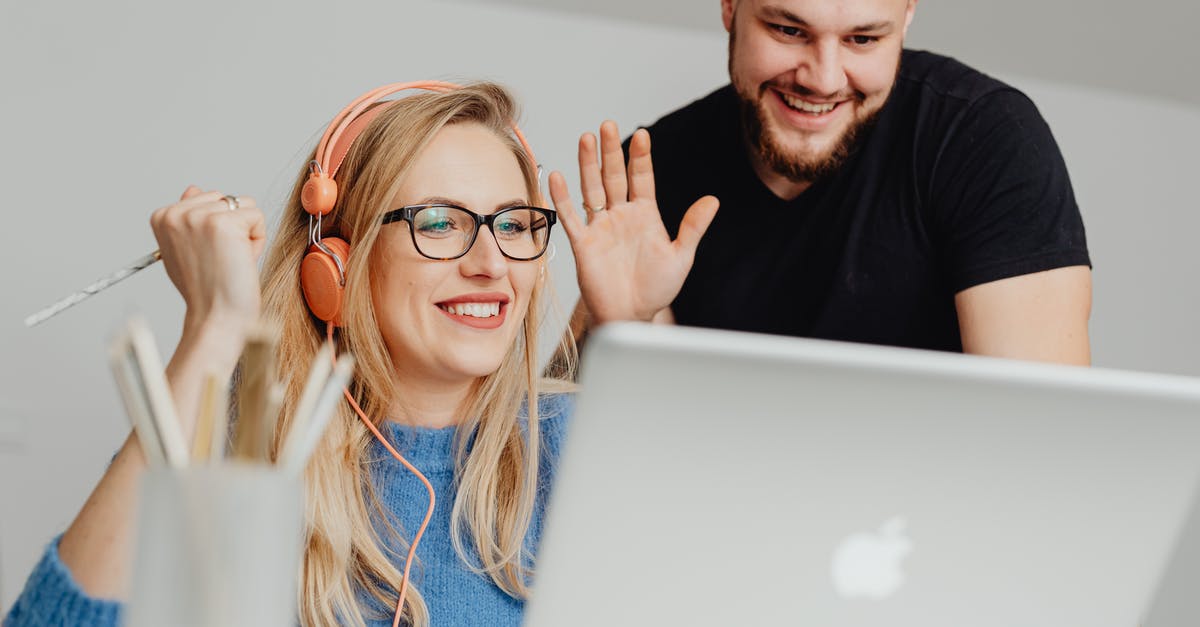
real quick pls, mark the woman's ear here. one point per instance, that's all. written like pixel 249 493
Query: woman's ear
pixel 545 260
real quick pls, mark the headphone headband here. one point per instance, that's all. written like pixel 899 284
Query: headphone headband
pixel 334 133
pixel 319 197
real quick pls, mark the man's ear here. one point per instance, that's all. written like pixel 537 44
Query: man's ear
pixel 727 14
pixel 908 14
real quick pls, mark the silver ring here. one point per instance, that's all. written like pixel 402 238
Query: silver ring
pixel 231 202
pixel 593 210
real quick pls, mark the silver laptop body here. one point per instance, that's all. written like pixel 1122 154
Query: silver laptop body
pixel 720 478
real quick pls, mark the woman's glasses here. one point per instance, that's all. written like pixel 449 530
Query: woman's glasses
pixel 447 232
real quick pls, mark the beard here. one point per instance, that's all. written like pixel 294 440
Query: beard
pixel 802 165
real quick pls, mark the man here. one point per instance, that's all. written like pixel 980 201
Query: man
pixel 872 194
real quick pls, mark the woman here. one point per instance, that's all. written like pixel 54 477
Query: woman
pixel 441 311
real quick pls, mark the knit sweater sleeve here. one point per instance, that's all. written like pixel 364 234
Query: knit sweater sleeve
pixel 52 598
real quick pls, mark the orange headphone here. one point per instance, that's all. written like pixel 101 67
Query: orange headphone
pixel 323 270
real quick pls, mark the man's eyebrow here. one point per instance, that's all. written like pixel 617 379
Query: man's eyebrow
pixel 874 27
pixel 780 13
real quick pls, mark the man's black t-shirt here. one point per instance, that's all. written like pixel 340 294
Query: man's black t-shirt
pixel 959 182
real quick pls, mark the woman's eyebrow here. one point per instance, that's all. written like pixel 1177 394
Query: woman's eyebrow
pixel 438 200
pixel 442 200
pixel 517 202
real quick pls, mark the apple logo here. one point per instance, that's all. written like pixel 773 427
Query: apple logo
pixel 867 565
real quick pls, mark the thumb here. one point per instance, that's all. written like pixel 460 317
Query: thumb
pixel 191 190
pixel 695 223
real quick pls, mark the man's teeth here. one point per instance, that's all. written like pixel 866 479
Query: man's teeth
pixel 808 107
pixel 475 310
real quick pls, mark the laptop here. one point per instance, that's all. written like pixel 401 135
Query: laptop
pixel 722 478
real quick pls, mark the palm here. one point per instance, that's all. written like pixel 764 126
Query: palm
pixel 628 266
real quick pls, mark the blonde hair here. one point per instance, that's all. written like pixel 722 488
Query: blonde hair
pixel 497 477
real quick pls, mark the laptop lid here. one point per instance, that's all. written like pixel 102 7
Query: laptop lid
pixel 721 478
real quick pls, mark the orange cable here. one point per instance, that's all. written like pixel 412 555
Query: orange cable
pixel 412 549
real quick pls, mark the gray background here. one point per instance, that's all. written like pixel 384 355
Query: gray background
pixel 113 109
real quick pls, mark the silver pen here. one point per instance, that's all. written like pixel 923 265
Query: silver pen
pixel 95 288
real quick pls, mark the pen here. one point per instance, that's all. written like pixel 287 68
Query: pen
pixel 95 288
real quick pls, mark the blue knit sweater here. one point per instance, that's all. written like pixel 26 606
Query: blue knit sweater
pixel 454 594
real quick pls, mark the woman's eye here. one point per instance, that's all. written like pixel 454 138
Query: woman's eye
pixel 435 226
pixel 510 227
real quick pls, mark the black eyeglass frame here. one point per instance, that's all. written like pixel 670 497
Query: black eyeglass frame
pixel 407 213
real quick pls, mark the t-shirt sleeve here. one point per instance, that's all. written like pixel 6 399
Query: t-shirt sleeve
pixel 51 598
pixel 1001 200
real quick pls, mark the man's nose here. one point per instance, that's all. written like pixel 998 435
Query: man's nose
pixel 821 71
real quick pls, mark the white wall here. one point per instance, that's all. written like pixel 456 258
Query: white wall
pixel 119 105
pixel 114 108
pixel 1144 47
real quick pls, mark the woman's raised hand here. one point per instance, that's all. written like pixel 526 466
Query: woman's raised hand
pixel 627 265
pixel 210 247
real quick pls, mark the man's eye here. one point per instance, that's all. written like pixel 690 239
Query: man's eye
pixel 787 31
pixel 863 40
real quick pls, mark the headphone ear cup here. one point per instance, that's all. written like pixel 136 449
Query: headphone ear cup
pixel 321 282
pixel 318 195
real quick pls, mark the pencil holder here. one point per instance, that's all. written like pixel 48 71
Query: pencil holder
pixel 217 545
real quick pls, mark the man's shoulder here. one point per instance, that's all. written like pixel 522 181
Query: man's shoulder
pixel 713 112
pixel 927 75
pixel 938 99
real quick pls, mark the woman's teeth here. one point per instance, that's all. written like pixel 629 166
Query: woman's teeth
pixel 475 310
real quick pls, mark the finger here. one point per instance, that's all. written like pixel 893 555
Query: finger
pixel 177 214
pixel 198 199
pixel 238 202
pixel 200 205
pixel 560 195
pixel 641 170
pixel 191 190
pixel 248 220
pixel 589 172
pixel 257 221
pixel 694 224
pixel 612 164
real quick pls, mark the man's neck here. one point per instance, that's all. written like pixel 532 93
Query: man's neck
pixel 780 185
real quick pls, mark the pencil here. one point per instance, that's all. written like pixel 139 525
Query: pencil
pixel 252 432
